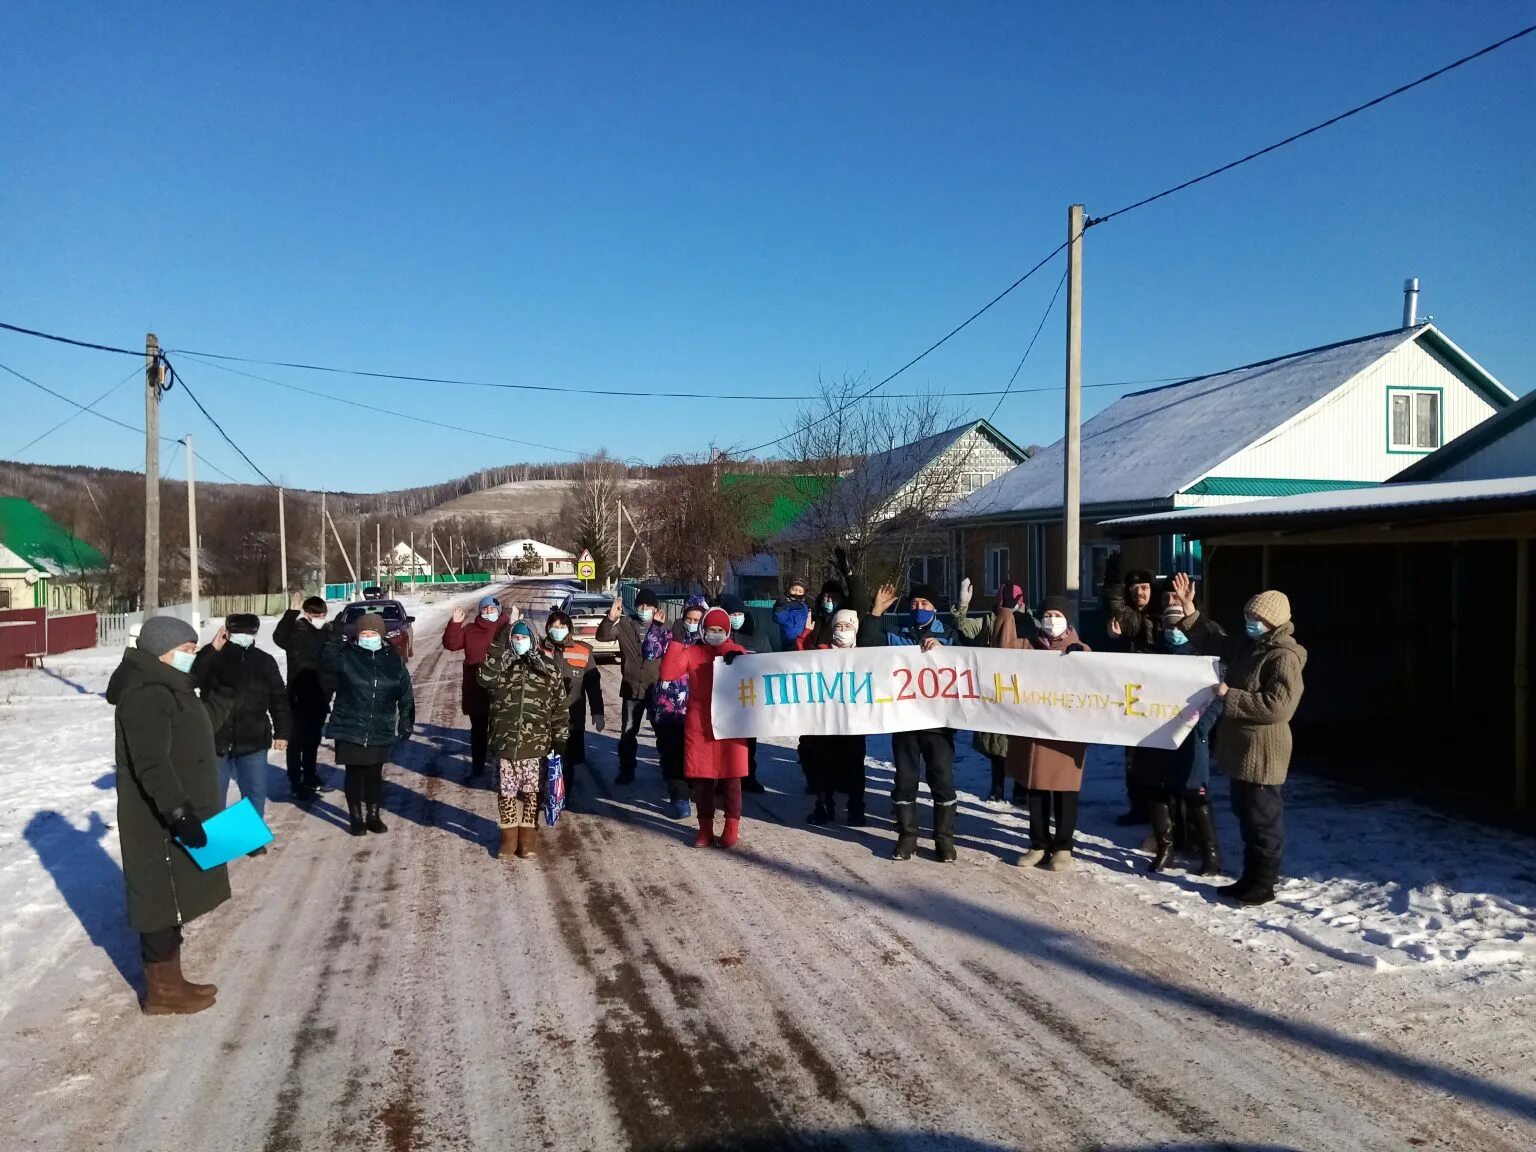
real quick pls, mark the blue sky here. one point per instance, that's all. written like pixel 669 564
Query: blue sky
pixel 706 198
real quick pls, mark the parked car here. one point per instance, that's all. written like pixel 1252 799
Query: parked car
pixel 586 612
pixel 396 622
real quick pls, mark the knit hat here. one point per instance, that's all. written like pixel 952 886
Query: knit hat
pixel 833 588
pixel 522 628
pixel 922 592
pixel 1173 615
pixel 160 634
pixel 489 602
pixel 695 602
pixel 791 582
pixel 717 618
pixel 1274 608
pixel 844 616
pixel 242 622
pixel 1010 596
pixel 645 598
pixel 733 603
pixel 1056 604
pixel 371 622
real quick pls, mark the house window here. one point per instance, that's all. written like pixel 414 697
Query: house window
pixel 930 570
pixel 970 481
pixel 998 569
pixel 1095 561
pixel 5 600
pixel 1413 420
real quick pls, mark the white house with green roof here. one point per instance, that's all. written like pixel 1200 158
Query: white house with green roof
pixel 42 565
pixel 1343 415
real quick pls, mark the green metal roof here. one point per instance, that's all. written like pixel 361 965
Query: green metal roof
pixel 1259 487
pixel 29 532
pixel 783 498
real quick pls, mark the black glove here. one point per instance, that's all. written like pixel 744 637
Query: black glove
pixel 840 560
pixel 600 722
pixel 730 658
pixel 188 828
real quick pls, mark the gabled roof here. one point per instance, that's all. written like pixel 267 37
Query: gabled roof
pixel 1152 445
pixel 513 549
pixel 1469 443
pixel 885 474
pixel 29 532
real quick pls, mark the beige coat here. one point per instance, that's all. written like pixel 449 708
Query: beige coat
pixel 1041 765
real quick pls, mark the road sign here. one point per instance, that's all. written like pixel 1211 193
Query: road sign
pixel 586 570
pixel 585 557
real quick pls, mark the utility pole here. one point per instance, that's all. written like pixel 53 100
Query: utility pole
pixel 323 518
pixel 357 550
pixel 1072 462
pixel 154 384
pixel 378 552
pixel 282 539
pixel 414 572
pixel 197 619
pixel 619 547
pixel 342 548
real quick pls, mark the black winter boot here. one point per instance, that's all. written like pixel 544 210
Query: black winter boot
pixel 373 823
pixel 944 833
pixel 355 816
pixel 906 832
pixel 1203 821
pixel 824 812
pixel 855 814
pixel 1162 829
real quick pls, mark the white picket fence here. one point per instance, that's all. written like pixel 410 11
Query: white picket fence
pixel 115 629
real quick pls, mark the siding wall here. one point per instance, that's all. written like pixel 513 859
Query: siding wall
pixel 1345 435
pixel 1513 454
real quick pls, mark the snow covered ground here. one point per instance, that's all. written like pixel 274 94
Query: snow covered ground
pixel 409 991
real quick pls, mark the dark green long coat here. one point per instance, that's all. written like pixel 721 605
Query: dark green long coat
pixel 165 761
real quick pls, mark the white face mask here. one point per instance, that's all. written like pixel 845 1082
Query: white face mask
pixel 182 661
pixel 242 639
pixel 714 637
pixel 1054 626
pixel 316 622
pixel 491 614
pixel 842 639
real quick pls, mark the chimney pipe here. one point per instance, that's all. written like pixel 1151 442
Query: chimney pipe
pixel 1410 301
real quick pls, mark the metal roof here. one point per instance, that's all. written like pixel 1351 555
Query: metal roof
pixel 1153 445
pixel 1383 502
pixel 32 535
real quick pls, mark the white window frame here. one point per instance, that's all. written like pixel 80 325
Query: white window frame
pixel 1415 397
pixel 997 572
pixel 928 562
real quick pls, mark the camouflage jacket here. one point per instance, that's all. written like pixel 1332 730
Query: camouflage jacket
pixel 529 717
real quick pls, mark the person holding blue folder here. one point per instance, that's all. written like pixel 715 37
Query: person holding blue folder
pixel 167 785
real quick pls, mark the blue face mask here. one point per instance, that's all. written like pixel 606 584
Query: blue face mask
pixel 242 639
pixel 829 606
pixel 1175 638
pixel 1254 628
pixel 690 626
pixel 737 620
pixel 646 615
pixel 923 617
pixel 370 643
pixel 522 645
pixel 183 661
pixel 558 634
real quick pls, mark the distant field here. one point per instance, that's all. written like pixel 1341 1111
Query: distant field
pixel 521 504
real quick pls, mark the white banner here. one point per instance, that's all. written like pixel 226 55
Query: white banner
pixel 1087 697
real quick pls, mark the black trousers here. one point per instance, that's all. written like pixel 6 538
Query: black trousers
pixel 365 784
pixel 576 742
pixel 669 746
pixel 479 742
pixel 629 737
pixel 933 750
pixel 304 744
pixel 835 764
pixel 1043 807
pixel 160 945
pixel 752 759
pixel 999 773
pixel 1260 811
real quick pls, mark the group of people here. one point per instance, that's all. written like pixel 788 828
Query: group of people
pixel 191 721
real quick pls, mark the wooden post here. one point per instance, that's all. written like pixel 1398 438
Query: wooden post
pixel 342 548
pixel 1522 670
pixel 197 620
pixel 282 539
pixel 378 552
pixel 357 550
pixel 154 375
pixel 324 516
pixel 413 572
pixel 1072 460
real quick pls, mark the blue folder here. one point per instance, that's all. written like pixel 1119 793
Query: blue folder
pixel 236 831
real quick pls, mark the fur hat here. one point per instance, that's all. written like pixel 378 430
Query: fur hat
pixel 1056 604
pixel 733 603
pixel 717 618
pixel 242 622
pixel 645 598
pixel 922 592
pixel 159 634
pixel 1139 576
pixel 833 588
pixel 371 622
pixel 1274 608
pixel 844 616
pixel 791 582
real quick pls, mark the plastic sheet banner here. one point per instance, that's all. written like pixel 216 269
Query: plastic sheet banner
pixel 1086 697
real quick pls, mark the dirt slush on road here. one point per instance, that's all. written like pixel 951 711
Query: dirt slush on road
pixel 626 991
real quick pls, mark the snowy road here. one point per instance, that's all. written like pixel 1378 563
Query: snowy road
pixel 409 991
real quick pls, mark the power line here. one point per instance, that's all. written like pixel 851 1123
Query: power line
pixel 1355 111
pixel 182 380
pixel 1038 329
pixel 79 408
pixel 68 340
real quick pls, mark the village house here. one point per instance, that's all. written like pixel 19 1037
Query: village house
pixel 528 557
pixel 1341 416
pixel 42 565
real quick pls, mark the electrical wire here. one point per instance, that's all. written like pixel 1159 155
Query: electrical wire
pixel 182 380
pixel 73 415
pixel 1332 120
pixel 68 340
pixel 1038 329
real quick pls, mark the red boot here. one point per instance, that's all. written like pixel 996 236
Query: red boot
pixel 706 835
pixel 728 837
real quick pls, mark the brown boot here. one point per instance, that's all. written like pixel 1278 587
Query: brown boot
pixel 508 843
pixel 208 990
pixel 167 993
pixel 526 841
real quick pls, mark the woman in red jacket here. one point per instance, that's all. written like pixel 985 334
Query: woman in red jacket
pixel 707 761
pixel 474 639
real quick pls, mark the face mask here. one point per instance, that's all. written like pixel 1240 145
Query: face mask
pixel 182 661
pixel 714 637
pixel 1255 628
pixel 370 643
pixel 690 626
pixel 522 645
pixel 843 639
pixel 1054 626
pixel 646 615
pixel 491 614
pixel 1175 637
pixel 558 634
pixel 923 616
pixel 829 606
pixel 796 597
pixel 738 619
pixel 316 622
pixel 243 639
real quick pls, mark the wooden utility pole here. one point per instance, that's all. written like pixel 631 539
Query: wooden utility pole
pixel 357 550
pixel 378 552
pixel 1072 460
pixel 154 382
pixel 197 618
pixel 323 518
pixel 413 573
pixel 342 548
pixel 282 539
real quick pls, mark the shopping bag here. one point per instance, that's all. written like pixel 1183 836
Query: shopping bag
pixel 236 831
pixel 554 792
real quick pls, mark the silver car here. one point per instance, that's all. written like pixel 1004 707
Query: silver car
pixel 586 611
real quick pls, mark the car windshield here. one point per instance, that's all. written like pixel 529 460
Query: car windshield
pixel 389 610
pixel 587 605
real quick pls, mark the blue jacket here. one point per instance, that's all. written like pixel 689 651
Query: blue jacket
pixel 791 616
pixel 1186 768
pixel 877 630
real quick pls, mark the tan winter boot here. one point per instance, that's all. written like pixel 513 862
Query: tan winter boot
pixel 508 843
pixel 527 841
pixel 167 993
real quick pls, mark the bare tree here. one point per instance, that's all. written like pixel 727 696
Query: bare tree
pixel 885 470
pixel 693 525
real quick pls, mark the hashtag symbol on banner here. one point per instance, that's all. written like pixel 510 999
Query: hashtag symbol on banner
pixel 746 692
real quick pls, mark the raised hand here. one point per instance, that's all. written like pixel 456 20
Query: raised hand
pixel 616 610
pixel 965 591
pixel 885 598
pixel 1184 591
pixel 459 615
pixel 840 560
pixel 514 614
pixel 296 602
pixel 1114 626
pixel 220 638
